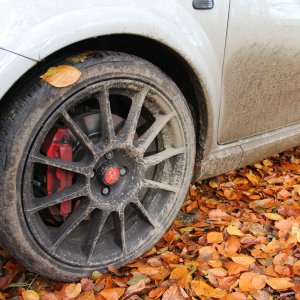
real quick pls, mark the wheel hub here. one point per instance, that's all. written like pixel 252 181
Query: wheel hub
pixel 109 174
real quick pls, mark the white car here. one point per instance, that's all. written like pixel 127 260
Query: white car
pixel 93 173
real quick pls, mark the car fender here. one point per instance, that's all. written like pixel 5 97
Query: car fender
pixel 47 28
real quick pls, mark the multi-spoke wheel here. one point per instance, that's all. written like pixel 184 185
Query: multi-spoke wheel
pixel 94 173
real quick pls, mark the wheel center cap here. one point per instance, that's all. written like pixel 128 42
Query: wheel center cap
pixel 110 175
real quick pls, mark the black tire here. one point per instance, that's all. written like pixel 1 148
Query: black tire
pixel 30 116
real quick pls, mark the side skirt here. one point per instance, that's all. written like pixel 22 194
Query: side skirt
pixel 246 151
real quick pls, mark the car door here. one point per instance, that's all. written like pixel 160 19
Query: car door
pixel 261 75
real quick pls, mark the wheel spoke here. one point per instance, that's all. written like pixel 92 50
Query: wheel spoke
pixel 119 222
pixel 129 129
pixel 75 167
pixel 78 214
pixel 97 223
pixel 161 156
pixel 70 193
pixel 76 130
pixel 148 137
pixel 107 125
pixel 159 185
pixel 144 213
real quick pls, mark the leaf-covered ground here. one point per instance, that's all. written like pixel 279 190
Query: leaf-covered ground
pixel 236 238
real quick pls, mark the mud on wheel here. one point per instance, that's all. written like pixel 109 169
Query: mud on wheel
pixel 93 174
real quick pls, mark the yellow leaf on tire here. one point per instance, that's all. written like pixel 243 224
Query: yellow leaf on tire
pixel 61 76
pixel 30 295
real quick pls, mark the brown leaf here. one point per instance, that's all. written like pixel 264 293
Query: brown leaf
pixel 61 76
pixel 175 292
pixel 135 289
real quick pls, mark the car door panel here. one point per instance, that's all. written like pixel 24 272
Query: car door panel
pixel 261 76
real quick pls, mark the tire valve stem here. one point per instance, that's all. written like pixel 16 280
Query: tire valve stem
pixel 105 191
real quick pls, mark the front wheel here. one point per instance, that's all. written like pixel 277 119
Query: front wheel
pixel 93 174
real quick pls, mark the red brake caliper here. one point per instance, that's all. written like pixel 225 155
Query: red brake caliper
pixel 59 147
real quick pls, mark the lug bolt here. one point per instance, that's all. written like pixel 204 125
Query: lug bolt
pixel 92 174
pixel 105 191
pixel 122 172
pixel 109 155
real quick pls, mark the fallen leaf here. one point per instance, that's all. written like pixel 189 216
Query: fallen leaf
pixel 175 292
pixel 232 230
pixel 273 216
pixel 236 296
pixel 112 293
pixel 30 295
pixel 87 295
pixel 61 76
pixel 214 237
pixel 244 260
pixel 280 284
pixel 135 289
pixel 73 290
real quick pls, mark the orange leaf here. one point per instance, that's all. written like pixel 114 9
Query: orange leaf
pixel 30 295
pixel 234 268
pixel 169 236
pixel 232 245
pixel 51 296
pixel 253 178
pixel 200 288
pixel 170 258
pixel 87 295
pixel 219 272
pixel 259 282
pixel 112 293
pixel 163 273
pixel 61 76
pixel 179 272
pixel 244 260
pixel 215 237
pixel 155 294
pixel 236 296
pixel 73 290
pixel 148 270
pixel 245 281
pixel 280 284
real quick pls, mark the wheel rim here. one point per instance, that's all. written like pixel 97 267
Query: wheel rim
pixel 149 147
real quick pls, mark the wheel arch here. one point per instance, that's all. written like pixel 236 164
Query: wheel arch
pixel 162 56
